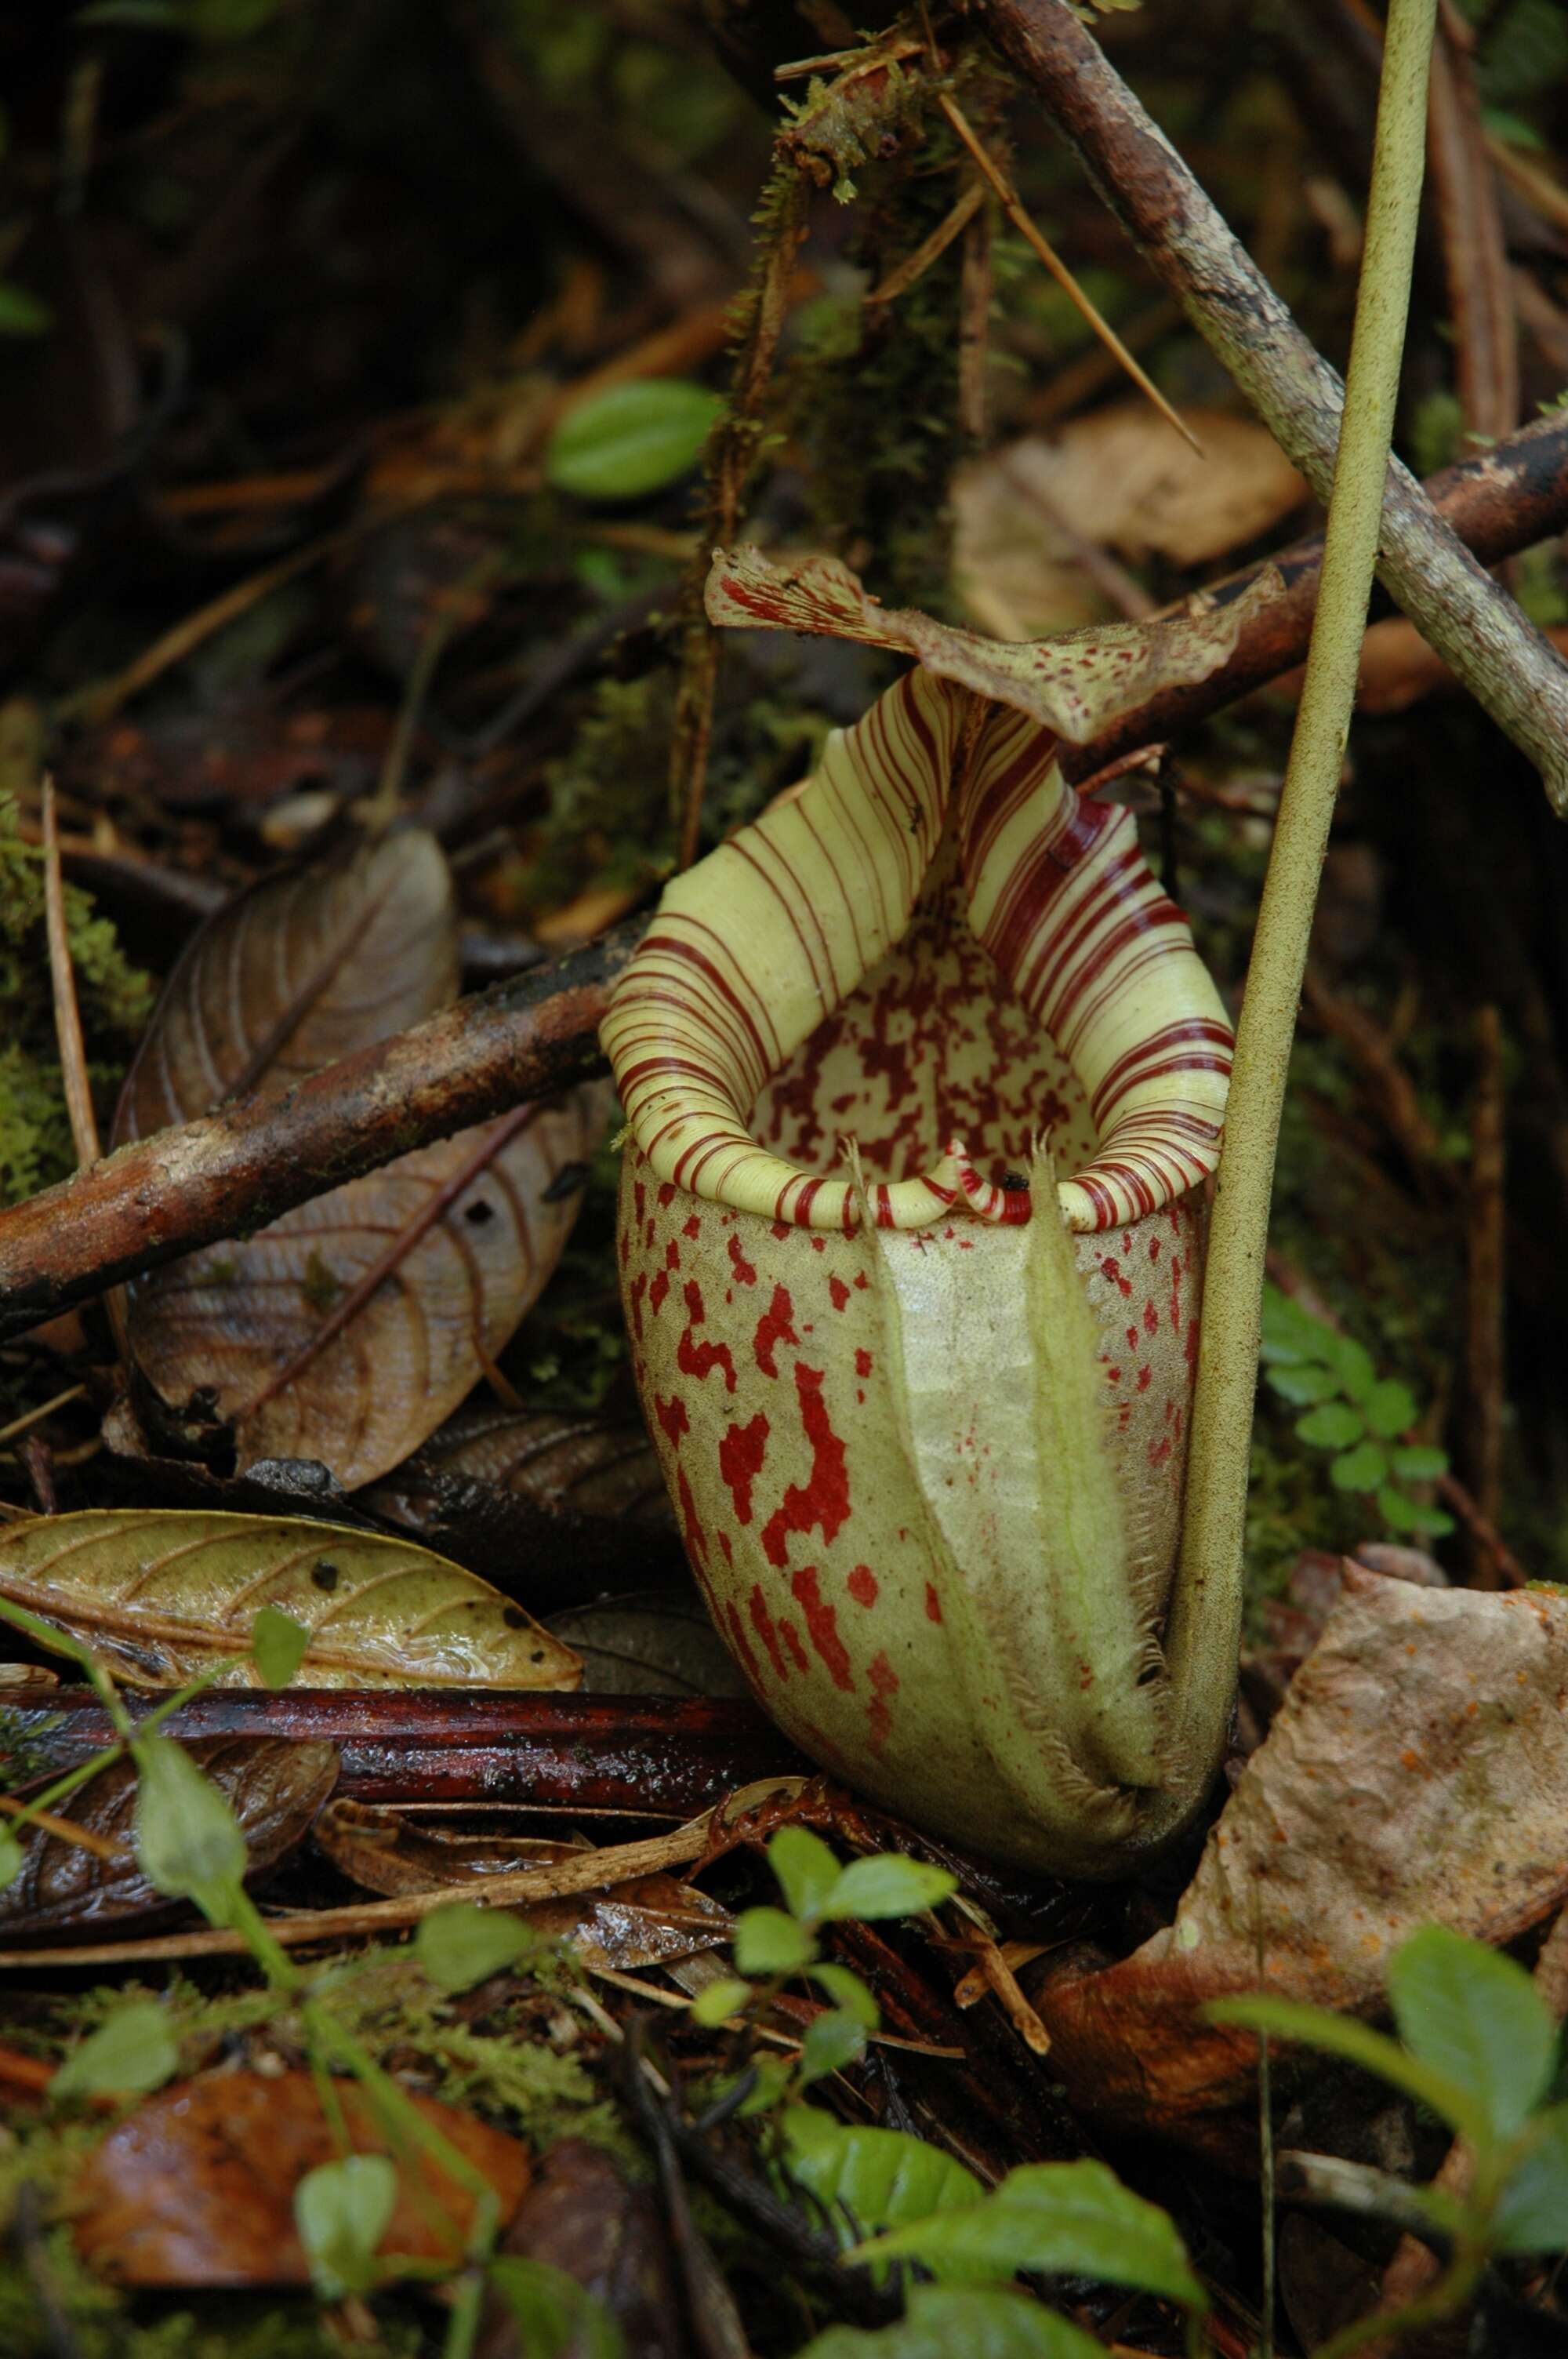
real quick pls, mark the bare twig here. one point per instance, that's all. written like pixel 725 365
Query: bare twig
pixel 74 1081
pixel 1475 251
pixel 1037 241
pixel 1484 1373
pixel 1470 619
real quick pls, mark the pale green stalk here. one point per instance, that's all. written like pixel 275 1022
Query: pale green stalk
pixel 1206 1614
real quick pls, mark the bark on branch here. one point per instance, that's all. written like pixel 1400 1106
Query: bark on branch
pixel 1467 616
pixel 233 1171
pixel 1501 501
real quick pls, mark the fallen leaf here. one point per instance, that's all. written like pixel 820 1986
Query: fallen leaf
pixel 1117 478
pixel 645 1922
pixel 293 974
pixel 161 1596
pixel 1075 684
pixel 349 1328
pixel 274 1786
pixel 196 2187
pixel 656 1646
pixel 1417 1771
pixel 553 1504
pixel 582 2217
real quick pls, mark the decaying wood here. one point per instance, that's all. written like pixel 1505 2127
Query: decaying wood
pixel 1508 665
pixel 653 1756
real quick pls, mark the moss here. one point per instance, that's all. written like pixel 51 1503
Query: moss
pixel 115 999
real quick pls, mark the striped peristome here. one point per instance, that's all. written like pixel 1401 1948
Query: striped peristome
pixel 921 1403
pixel 753 949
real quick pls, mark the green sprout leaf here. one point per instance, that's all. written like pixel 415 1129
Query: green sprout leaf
pixel 1304 1384
pixel 719 2001
pixel 21 313
pixel 832 2040
pixel 132 2051
pixel 1352 1363
pixel 1477 2017
pixel 1399 1513
pixel 1419 1463
pixel 1058 2218
pixel 1335 1426
pixel 1362 1469
pixel 769 1942
pixel 13 1858
pixel 279 1644
pixel 188 1839
pixel 805 1868
pixel 887 1884
pixel 846 1989
pixel 1341 2035
pixel 465 1944
pixel 555 2317
pixel 1532 2214
pixel 941 2322
pixel 866 2178
pixel 341 2210
pixel 1390 1408
pixel 631 438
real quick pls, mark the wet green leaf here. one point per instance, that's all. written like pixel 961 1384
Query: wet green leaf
pixel 1302 1383
pixel 805 1868
pixel 719 2001
pixel 1533 2216
pixel 1390 1408
pixel 1362 1469
pixel 279 1644
pixel 466 1943
pixel 631 438
pixel 867 2180
pixel 1477 2017
pixel 1058 2218
pixel 770 1941
pixel 187 1838
pixel 887 1884
pixel 942 2322
pixel 832 2040
pixel 132 2051
pixel 1332 1427
pixel 341 2210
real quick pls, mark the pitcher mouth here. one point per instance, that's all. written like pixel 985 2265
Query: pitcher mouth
pixel 767 938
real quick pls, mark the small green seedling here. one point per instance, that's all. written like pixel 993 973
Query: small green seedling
pixel 1351 1411
pixel 1477 2046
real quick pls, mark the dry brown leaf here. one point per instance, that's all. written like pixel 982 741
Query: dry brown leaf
pixel 293 974
pixel 271 1334
pixel 645 1922
pixel 1076 684
pixel 1118 479
pixel 161 1595
pixel 1416 1771
pixel 196 2187
pixel 274 1786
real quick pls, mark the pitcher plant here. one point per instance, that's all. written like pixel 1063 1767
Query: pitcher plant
pixel 924 1076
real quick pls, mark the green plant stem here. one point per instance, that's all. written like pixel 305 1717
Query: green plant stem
pixel 1206 1617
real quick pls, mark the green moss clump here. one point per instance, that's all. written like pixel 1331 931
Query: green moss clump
pixel 115 999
